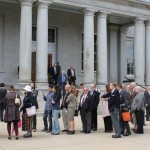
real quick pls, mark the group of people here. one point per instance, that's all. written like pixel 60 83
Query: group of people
pixel 88 104
pixel 12 109
pixel 116 99
pixel 58 76
pixel 122 98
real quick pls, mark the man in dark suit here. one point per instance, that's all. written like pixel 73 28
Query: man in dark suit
pixel 124 107
pixel 114 107
pixel 147 103
pixel 95 101
pixel 3 93
pixel 85 111
pixel 53 74
pixel 71 75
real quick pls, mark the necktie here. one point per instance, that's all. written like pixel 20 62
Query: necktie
pixel 83 100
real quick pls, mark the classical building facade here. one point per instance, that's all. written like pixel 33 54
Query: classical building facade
pixel 105 40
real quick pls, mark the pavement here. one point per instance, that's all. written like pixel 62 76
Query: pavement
pixel 95 141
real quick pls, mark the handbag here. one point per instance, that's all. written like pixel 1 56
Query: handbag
pixel 31 111
pixel 17 101
pixel 126 116
pixel 76 111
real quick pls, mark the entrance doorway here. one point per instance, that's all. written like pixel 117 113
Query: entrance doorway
pixel 33 75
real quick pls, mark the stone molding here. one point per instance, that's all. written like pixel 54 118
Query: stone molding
pixel 124 30
pixel 113 27
pixel 103 14
pixel 43 4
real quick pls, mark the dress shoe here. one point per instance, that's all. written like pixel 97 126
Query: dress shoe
pixel 147 119
pixel 71 132
pixel 48 131
pixel 64 130
pixel 44 130
pixel 55 133
pixel 87 132
pixel 136 132
pixel 94 129
pixel 34 130
pixel 127 134
pixel 116 136
pixel 9 137
pixel 82 131
pixel 27 135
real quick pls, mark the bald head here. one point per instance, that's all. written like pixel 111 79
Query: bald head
pixel 67 88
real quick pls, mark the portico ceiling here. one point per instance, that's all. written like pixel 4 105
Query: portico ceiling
pixel 118 14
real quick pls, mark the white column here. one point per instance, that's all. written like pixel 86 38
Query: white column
pixel 113 54
pixel 1 44
pixel 147 52
pixel 102 48
pixel 42 43
pixel 88 47
pixel 139 50
pixel 123 53
pixel 25 41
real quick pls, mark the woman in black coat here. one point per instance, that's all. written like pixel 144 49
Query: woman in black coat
pixel 27 103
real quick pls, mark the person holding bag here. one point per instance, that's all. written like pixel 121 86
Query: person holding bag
pixel 12 114
pixel 27 120
pixel 71 104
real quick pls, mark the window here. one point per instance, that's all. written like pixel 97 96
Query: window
pixel 95 53
pixel 51 34
pixel 130 57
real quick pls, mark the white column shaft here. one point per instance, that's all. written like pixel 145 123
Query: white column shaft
pixel 147 52
pixel 42 43
pixel 25 41
pixel 123 54
pixel 102 49
pixel 88 47
pixel 139 51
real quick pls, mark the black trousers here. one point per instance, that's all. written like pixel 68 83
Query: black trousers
pixel 108 124
pixel 94 119
pixel 86 120
pixel 140 120
pixel 34 122
pixel 1 112
pixel 147 113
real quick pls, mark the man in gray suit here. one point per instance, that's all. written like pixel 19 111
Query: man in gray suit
pixel 138 108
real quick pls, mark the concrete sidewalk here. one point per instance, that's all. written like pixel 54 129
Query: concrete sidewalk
pixel 95 141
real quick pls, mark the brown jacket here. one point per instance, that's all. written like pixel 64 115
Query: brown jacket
pixel 11 110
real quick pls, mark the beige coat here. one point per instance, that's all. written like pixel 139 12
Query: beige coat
pixel 71 101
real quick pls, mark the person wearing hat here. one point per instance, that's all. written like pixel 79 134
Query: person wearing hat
pixel 27 103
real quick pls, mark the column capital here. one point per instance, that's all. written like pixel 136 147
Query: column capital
pixel 139 20
pixel 26 2
pixel 103 14
pixel 89 12
pixel 43 3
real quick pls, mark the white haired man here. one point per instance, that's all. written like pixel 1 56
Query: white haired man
pixel 138 108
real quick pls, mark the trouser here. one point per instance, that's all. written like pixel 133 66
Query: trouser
pixel 115 121
pixel 47 115
pixel 34 122
pixel 134 120
pixel 86 120
pixel 94 119
pixel 147 113
pixel 140 120
pixel 2 112
pixel 124 125
pixel 108 123
pixel 65 118
pixel 56 126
